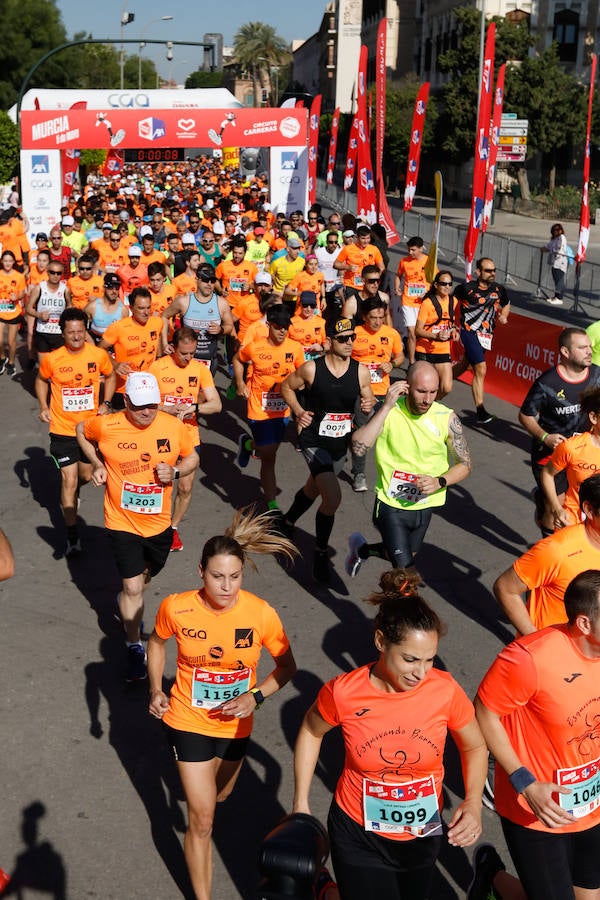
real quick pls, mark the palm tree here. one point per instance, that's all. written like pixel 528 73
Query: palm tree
pixel 257 48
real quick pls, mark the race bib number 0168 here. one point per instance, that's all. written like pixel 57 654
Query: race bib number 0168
pixel 78 399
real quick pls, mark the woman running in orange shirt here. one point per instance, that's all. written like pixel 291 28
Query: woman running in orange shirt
pixel 220 631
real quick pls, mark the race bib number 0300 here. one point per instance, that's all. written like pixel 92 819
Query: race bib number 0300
pixel 211 689
pixel 402 808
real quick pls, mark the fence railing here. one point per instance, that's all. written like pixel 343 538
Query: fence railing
pixel 519 264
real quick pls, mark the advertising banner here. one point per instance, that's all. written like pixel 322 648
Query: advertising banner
pixel 416 142
pixel 41 190
pixel 289 179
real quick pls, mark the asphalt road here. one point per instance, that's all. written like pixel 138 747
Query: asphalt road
pixel 89 792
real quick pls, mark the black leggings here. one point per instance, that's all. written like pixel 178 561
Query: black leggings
pixel 369 865
pixel 550 864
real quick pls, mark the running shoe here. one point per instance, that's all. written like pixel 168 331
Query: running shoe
pixel 359 484
pixel 486 865
pixel 243 456
pixel 554 301
pixel 484 417
pixel 10 370
pixel 353 560
pixel 136 663
pixel 176 543
pixel 2 366
pixel 321 570
pixel 73 548
pixel 323 884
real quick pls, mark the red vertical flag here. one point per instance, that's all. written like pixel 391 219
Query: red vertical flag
pixel 313 144
pixel 365 187
pixel 416 142
pixel 584 218
pixel 114 162
pixel 494 145
pixel 384 216
pixel 69 163
pixel 351 155
pixel 335 124
pixel 482 148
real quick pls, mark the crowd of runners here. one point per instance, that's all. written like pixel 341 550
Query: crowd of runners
pixel 152 283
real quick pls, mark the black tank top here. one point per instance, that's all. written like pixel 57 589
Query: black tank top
pixel 333 401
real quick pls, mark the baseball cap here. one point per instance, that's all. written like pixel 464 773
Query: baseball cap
pixel 264 278
pixel 68 220
pixel 142 389
pixel 218 227
pixel 308 298
pixel 259 230
pixel 279 315
pixel 349 233
pixel 339 326
pixel 106 225
pixel 294 243
pixel 188 238
pixel 206 274
pixel 134 251
pixel 41 236
pixel 112 280
pixel 124 215
pixel 145 230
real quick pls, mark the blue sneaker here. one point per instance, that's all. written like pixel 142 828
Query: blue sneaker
pixel 136 663
pixel 243 456
pixel 353 560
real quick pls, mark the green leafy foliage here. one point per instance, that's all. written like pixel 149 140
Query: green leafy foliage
pixel 400 104
pixel 9 144
pixel 201 79
pixel 29 29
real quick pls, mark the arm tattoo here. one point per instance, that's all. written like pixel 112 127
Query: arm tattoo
pixel 458 441
pixel 359 449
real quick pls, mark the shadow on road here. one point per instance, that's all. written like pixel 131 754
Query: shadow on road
pixel 39 867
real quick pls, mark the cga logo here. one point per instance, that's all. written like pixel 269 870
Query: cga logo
pixel 126 446
pixel 40 183
pixel 289 159
pixel 151 129
pixel 126 101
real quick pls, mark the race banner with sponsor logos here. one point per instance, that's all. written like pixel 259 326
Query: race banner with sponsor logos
pixel 416 142
pixel 584 217
pixel 86 128
pixel 41 187
pixel 490 182
pixel 289 178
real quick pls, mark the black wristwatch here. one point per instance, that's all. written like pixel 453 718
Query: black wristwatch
pixel 258 696
pixel 442 481
pixel 175 473
pixel 107 403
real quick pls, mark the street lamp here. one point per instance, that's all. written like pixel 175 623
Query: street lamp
pixel 142 44
pixel 126 18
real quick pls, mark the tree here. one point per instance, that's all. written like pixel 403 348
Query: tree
pixel 257 48
pixel 30 28
pixel 9 141
pixel 456 125
pixel 200 79
pixel 553 102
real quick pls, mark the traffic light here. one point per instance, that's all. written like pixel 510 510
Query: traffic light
pixel 127 17
pixel 169 50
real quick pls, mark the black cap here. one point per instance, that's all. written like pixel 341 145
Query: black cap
pixel 111 279
pixel 339 326
pixel 41 236
pixel 279 315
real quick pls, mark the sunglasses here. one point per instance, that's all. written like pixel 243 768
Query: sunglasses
pixel 374 280
pixel 335 224
pixel 85 268
pixel 489 270
pixel 344 338
pixel 55 271
pixel 444 283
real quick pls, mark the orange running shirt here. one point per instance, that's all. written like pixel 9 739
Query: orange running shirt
pixel 307 332
pixel 185 284
pixel 134 343
pixel 257 331
pixel 131 455
pixel 153 256
pixel 580 457
pixel 110 260
pixel 132 278
pixel 398 737
pixel 83 291
pixel 237 279
pixel 355 256
pixel 304 281
pixel 546 692
pixel 224 641
pixel 429 319
pixel 549 566
pixel 74 385
pixel 162 299
pixel 372 348
pixel 182 384
pixel 270 366
pixel 246 311
pixel 12 287
pixel 415 283
pixel 35 276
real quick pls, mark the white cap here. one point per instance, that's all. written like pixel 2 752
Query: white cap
pixel 209 203
pixel 68 220
pixel 124 215
pixel 218 227
pixel 188 238
pixel 235 207
pixel 263 278
pixel 142 389
pixel 146 230
pixel 134 250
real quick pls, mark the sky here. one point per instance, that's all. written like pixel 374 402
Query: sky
pixel 190 21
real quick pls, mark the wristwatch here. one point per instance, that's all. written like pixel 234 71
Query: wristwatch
pixel 442 481
pixel 107 403
pixel 258 696
pixel 175 473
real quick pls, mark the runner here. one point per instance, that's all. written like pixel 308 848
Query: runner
pixel 547 568
pixel 323 394
pixel 187 390
pixel 379 348
pixel 273 359
pixel 236 275
pixel 352 259
pixel 113 255
pixel 538 706
pixel 482 303
pixel 133 274
pixel 135 340
pixel 385 822
pixel 13 287
pixel 205 312
pixel 143 451
pixel 435 329
pixel 107 309
pixel 73 372
pixel 412 436
pixel 308 327
pixel 371 277
pixel 284 268
pixel 309 279
pixel 576 457
pixel 47 301
pixel 551 411
pixel 209 732
pixel 85 286
pixel 326 256
pixel 161 293
pixel 411 285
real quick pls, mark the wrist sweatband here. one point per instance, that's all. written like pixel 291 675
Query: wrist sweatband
pixel 521 779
